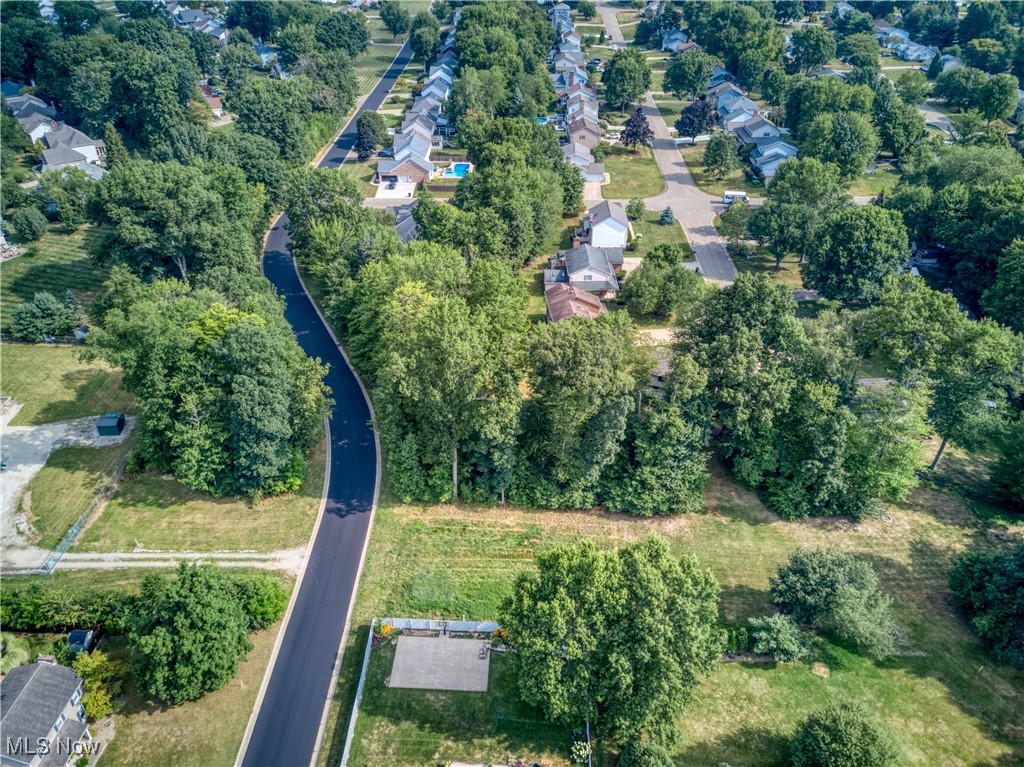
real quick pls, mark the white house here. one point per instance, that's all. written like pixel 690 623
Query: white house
pixel 769 154
pixel 606 225
pixel 753 131
pixel 671 40
pixel 579 155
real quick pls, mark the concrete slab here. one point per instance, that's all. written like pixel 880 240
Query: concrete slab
pixel 439 663
pixel 403 191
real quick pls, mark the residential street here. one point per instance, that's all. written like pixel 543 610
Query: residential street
pixel 287 724
pixel 694 209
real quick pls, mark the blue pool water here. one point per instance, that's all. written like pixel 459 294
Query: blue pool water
pixel 459 170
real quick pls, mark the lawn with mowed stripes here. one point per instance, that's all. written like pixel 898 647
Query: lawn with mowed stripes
pixel 371 65
pixel 55 263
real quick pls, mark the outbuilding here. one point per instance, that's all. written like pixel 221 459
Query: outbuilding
pixel 110 425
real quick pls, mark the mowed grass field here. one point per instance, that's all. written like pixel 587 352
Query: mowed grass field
pixel 60 261
pixel 633 174
pixel 693 156
pixel 157 512
pixel 372 63
pixel 946 703
pixel 55 384
pixel 650 233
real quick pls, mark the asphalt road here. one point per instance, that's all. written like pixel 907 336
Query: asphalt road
pixel 287 725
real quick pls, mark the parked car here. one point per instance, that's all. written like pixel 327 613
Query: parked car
pixel 81 640
pixel 730 197
pixel 615 135
pixel 595 61
pixel 392 183
pixel 385 153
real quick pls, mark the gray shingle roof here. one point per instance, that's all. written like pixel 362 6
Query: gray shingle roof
pixel 68 136
pixel 31 699
pixel 62 155
pixel 606 210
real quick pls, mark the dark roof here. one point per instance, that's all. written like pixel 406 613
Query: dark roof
pixel 31 699
pixel 61 155
pixel 606 210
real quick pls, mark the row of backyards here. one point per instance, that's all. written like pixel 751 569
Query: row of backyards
pixel 946 702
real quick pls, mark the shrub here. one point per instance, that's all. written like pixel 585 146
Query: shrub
pixel 44 314
pixel 39 607
pixel 99 681
pixel 990 588
pixel 263 599
pixel 778 636
pixel 841 735
pixel 635 209
pixel 641 754
pixel 14 652
pixel 837 592
pixel 28 223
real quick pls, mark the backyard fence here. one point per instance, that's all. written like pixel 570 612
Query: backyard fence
pixel 8 338
pixel 72 534
pixel 359 696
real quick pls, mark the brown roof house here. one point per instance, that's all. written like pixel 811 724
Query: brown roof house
pixel 584 130
pixel 564 302
pixel 42 717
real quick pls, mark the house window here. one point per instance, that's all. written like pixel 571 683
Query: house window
pixel 76 697
pixel 60 723
pixel 587 277
pixel 81 713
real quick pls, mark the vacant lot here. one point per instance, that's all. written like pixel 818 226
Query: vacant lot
pixel 370 65
pixel 54 264
pixel 650 233
pixel 56 385
pixel 633 174
pixel 156 512
pixel 947 703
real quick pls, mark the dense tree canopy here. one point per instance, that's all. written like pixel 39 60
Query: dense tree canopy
pixel 990 588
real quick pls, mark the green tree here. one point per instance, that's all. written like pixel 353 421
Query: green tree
pixel 802 196
pixel 812 47
pixel 913 87
pixel 256 16
pixel 1008 469
pixel 859 50
pixel 116 150
pixel 395 17
pixel 99 681
pixel 661 287
pixel 344 32
pixel 997 98
pixel 788 10
pixel 847 140
pixel 859 247
pixel 188 634
pixel 571 178
pixel 984 20
pixel 1005 299
pixel 833 590
pixel 630 680
pixel 635 209
pixel 990 588
pixel 900 127
pixel 960 87
pixel 627 77
pixel 28 223
pixel 235 65
pixel 967 127
pixel 425 36
pixel 365 144
pixel 778 636
pixel 687 75
pixel 985 54
pixel 841 735
pixel 586 9
pixel 43 315
pixel 263 599
pixel 734 223
pixel 375 122
pixel 661 467
pixel 721 155
pixel 71 190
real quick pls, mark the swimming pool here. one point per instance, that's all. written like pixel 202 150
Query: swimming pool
pixel 459 170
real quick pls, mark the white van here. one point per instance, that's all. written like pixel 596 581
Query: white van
pixel 730 197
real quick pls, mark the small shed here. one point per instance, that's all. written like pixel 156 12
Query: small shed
pixel 110 425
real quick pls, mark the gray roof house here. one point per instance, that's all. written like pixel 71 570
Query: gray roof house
pixel 587 268
pixel 41 702
pixel 671 40
pixel 754 130
pixel 770 153
pixel 579 155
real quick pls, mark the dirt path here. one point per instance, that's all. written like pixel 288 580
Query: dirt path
pixel 288 560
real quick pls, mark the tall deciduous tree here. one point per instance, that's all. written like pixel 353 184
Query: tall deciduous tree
pixel 859 247
pixel 395 17
pixel 616 639
pixel 688 74
pixel 721 155
pixel 812 47
pixel 637 130
pixel 627 77
pixel 344 32
pixel 188 635
pixel 696 118
pixel 847 140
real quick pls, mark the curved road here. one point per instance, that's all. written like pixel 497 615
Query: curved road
pixel 286 731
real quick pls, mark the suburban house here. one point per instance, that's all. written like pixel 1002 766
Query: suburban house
pixel 41 702
pixel 735 112
pixel 754 130
pixel 267 54
pixel 948 62
pixel 606 226
pixel 572 36
pixel 212 100
pixel 566 60
pixel 580 156
pixel 34 115
pixel 584 130
pixel 911 51
pixel 587 268
pixel 671 40
pixel 719 76
pixel 841 9
pixel 826 72
pixel 581 106
pixel 62 137
pixel 194 20
pixel 662 367
pixel 890 36
pixel 688 46
pixel 561 17
pixel 769 154
pixel 564 302
pixel 568 78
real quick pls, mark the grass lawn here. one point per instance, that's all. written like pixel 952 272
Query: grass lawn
pixel 66 486
pixel 693 155
pixel 590 28
pixel 883 179
pixel 651 233
pixel 670 110
pixel 372 63
pixel 60 261
pixel 948 703
pixel 627 17
pixel 762 260
pixel 536 306
pixel 633 174
pixel 55 385
pixel 159 513
pixel 398 726
pixel 362 173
